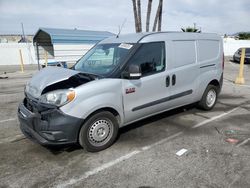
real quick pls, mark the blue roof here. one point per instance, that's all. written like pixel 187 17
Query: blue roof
pixel 73 36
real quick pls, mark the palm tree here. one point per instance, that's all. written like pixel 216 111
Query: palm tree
pixel 139 15
pixel 148 15
pixel 158 16
pixel 135 16
pixel 191 29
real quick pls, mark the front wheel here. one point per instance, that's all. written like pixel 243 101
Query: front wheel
pixel 209 98
pixel 99 131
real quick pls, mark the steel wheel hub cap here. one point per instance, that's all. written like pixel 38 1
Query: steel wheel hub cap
pixel 100 132
pixel 211 97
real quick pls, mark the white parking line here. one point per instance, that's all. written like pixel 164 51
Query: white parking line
pixel 243 142
pixel 244 85
pixel 8 94
pixel 5 120
pixel 232 83
pixel 233 64
pixel 73 181
pixel 107 165
pixel 12 139
pixel 214 118
pixel 98 169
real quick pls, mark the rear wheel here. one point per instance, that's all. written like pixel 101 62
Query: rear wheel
pixel 99 131
pixel 209 98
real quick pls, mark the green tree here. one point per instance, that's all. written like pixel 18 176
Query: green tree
pixel 244 36
pixel 191 29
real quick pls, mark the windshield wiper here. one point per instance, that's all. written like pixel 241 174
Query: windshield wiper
pixel 91 75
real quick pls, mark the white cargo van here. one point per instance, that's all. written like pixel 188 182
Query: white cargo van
pixel 119 81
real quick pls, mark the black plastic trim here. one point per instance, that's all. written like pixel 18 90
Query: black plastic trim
pixel 211 65
pixel 50 127
pixel 172 97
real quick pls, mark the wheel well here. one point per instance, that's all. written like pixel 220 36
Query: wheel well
pixel 111 110
pixel 215 83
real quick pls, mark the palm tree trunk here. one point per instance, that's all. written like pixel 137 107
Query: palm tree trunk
pixel 160 15
pixel 156 17
pixel 135 16
pixel 148 15
pixel 139 15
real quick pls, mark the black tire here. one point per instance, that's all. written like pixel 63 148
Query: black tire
pixel 99 131
pixel 206 103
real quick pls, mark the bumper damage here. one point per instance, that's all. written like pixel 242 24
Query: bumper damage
pixel 49 126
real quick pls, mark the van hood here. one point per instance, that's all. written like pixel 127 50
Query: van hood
pixel 53 78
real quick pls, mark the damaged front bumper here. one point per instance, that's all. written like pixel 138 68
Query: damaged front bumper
pixel 47 126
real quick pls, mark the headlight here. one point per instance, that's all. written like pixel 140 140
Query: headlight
pixel 58 97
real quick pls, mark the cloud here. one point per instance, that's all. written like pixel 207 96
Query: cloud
pixel 223 16
pixel 212 16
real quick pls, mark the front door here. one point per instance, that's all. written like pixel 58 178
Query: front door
pixel 145 96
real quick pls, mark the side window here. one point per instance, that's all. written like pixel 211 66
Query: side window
pixel 150 57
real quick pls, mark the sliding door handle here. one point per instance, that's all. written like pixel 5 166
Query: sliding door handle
pixel 167 81
pixel 173 80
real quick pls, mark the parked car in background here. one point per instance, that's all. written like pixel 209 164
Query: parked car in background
pixel 237 55
pixel 56 64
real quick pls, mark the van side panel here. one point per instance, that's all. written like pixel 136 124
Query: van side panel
pixel 210 54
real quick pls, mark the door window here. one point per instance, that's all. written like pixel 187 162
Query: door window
pixel 150 57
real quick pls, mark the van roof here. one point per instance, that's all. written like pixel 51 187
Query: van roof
pixel 160 36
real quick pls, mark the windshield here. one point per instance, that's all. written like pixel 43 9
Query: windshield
pixel 103 58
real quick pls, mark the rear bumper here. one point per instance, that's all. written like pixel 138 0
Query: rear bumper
pixel 51 127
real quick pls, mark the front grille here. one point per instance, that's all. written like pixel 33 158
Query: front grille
pixel 35 106
pixel 31 105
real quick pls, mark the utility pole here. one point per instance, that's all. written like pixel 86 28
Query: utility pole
pixel 23 33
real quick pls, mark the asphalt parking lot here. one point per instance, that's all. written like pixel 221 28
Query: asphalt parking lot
pixel 144 155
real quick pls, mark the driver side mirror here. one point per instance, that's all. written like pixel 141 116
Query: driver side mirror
pixel 134 72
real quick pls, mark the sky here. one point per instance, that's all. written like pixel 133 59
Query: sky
pixel 216 16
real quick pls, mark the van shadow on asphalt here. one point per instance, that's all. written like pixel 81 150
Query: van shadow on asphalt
pixel 155 118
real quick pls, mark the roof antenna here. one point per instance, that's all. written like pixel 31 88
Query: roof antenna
pixel 120 27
